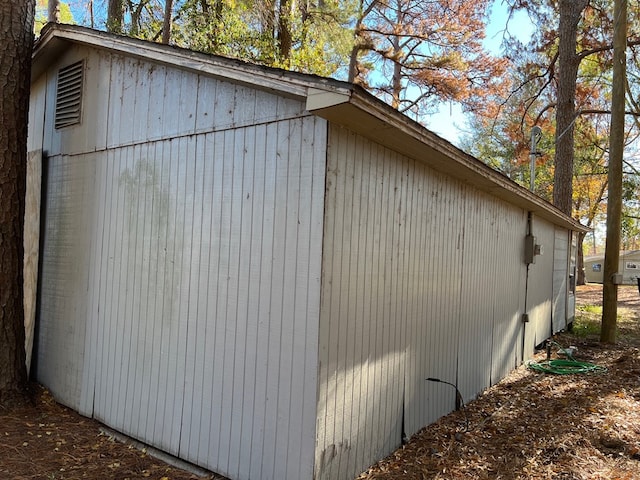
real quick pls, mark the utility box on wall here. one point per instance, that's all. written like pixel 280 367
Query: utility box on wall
pixel 531 249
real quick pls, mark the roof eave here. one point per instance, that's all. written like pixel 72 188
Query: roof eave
pixel 56 37
pixel 377 121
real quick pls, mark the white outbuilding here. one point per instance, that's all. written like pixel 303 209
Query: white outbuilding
pixel 256 270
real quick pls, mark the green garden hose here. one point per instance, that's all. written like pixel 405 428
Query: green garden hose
pixel 564 367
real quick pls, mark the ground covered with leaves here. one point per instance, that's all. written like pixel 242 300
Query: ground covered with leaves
pixel 44 440
pixel 542 426
pixel 529 426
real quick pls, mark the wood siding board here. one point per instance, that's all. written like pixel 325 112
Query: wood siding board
pixel 94 289
pixel 156 78
pixel 259 434
pixel 540 289
pixel 125 111
pixel 63 308
pixel 205 107
pixel 301 439
pixel 201 418
pixel 180 311
pixel 126 378
pixel 157 245
pixel 192 411
pixel 507 330
pixel 477 296
pixel 187 325
pixel 104 285
pixel 218 333
pixel 236 321
pixel 37 115
pixel 98 78
pixel 51 140
pixel 164 301
pixel 142 176
pixel 290 150
pixel 253 193
pixel 361 375
pixel 560 277
pixel 334 218
pixel 172 114
pixel 326 300
pixel 141 101
pixel 314 135
pixel 369 170
pixel 187 108
pixel 116 76
pixel 273 452
pixel 226 297
pixel 111 329
pixel 345 335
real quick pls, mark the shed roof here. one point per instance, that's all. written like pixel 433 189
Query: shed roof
pixel 339 102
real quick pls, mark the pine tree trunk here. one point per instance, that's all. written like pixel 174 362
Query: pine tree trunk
pixel 284 33
pixel 54 11
pixel 16 27
pixel 166 27
pixel 568 63
pixel 114 16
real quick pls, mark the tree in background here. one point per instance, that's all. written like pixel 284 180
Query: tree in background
pixel 416 53
pixel 534 100
pixel 411 53
pixel 570 14
pixel 43 13
pixel 16 35
pixel 302 35
pixel 115 16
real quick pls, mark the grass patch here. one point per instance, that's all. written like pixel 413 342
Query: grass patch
pixel 588 321
pixel 586 325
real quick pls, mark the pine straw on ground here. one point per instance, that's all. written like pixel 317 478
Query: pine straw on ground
pixel 529 426
pixel 540 426
pixel 44 440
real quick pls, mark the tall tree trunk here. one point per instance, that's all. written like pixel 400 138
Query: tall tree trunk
pixel 54 11
pixel 166 27
pixel 284 32
pixel 114 16
pixel 396 81
pixel 568 63
pixel 16 35
pixel 580 275
pixel 608 331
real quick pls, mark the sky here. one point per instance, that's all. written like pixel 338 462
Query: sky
pixel 450 121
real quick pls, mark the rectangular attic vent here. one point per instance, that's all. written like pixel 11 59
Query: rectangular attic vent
pixel 69 95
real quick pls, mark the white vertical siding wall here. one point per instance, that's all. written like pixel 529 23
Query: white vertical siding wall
pixel 540 287
pixel 560 278
pixel 423 277
pixel 60 344
pixel 182 275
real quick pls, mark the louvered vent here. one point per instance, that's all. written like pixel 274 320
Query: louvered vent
pixel 69 95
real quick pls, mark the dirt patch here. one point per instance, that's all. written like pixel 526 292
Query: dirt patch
pixel 45 440
pixel 628 296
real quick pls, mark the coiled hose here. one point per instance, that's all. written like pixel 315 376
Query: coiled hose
pixel 562 366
